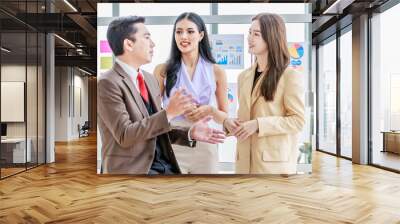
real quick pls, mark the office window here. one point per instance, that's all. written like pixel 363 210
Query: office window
pixel 346 94
pixel 41 87
pixel 13 84
pixel 385 88
pixel 104 10
pixel 327 97
pixel 249 9
pixel 31 96
pixel 162 9
pixel 22 93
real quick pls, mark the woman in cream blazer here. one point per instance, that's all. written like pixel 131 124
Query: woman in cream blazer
pixel 271 104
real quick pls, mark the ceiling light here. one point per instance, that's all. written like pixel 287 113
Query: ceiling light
pixel 338 6
pixel 70 5
pixel 64 40
pixel 5 50
pixel 84 71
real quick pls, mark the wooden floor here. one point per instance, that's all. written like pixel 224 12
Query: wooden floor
pixel 387 159
pixel 5 172
pixel 69 191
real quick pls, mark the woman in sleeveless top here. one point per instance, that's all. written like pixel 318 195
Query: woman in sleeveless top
pixel 191 66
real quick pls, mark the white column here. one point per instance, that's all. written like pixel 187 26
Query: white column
pixel 50 99
pixel 360 90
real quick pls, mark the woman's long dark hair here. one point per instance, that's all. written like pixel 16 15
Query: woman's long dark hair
pixel 273 32
pixel 174 61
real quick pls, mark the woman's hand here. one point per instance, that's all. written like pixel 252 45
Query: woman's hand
pixel 199 113
pixel 231 125
pixel 247 129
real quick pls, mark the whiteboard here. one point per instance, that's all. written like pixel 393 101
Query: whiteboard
pixel 12 101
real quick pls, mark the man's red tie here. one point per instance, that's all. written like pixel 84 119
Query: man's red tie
pixel 142 87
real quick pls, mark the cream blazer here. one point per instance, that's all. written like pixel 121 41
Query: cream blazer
pixel 275 148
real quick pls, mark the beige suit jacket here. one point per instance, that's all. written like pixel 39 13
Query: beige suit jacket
pixel 127 131
pixel 274 149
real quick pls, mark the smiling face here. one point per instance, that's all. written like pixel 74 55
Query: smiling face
pixel 187 36
pixel 257 45
pixel 142 46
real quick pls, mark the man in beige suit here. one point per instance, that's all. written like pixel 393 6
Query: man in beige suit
pixel 135 130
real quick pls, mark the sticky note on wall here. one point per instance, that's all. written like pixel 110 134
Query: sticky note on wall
pixel 105 62
pixel 105 47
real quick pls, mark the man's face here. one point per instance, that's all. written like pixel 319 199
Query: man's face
pixel 142 48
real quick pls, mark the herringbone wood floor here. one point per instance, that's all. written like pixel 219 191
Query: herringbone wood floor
pixel 69 191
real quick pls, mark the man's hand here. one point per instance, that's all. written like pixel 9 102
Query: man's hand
pixel 201 132
pixel 179 103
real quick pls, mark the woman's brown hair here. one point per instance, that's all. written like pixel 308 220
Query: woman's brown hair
pixel 273 32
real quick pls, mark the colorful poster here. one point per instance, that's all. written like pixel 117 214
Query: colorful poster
pixel 228 50
pixel 232 100
pixel 105 47
pixel 297 56
pixel 105 62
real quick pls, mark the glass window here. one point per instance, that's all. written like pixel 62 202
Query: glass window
pixel 327 97
pixel 385 86
pixel 13 83
pixel 104 10
pixel 41 79
pixel 346 94
pixel 22 93
pixel 162 9
pixel 254 8
pixel 31 98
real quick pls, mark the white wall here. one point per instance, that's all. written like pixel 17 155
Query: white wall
pixel 14 73
pixel 71 94
pixel 33 125
pixel 61 103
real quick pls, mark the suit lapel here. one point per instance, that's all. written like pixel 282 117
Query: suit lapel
pixel 136 95
pixel 247 86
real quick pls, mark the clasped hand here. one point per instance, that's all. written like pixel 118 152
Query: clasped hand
pixel 198 112
pixel 241 129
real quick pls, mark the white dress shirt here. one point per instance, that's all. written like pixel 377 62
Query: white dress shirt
pixel 131 71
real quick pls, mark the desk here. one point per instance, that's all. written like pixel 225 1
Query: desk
pixel 391 141
pixel 13 150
